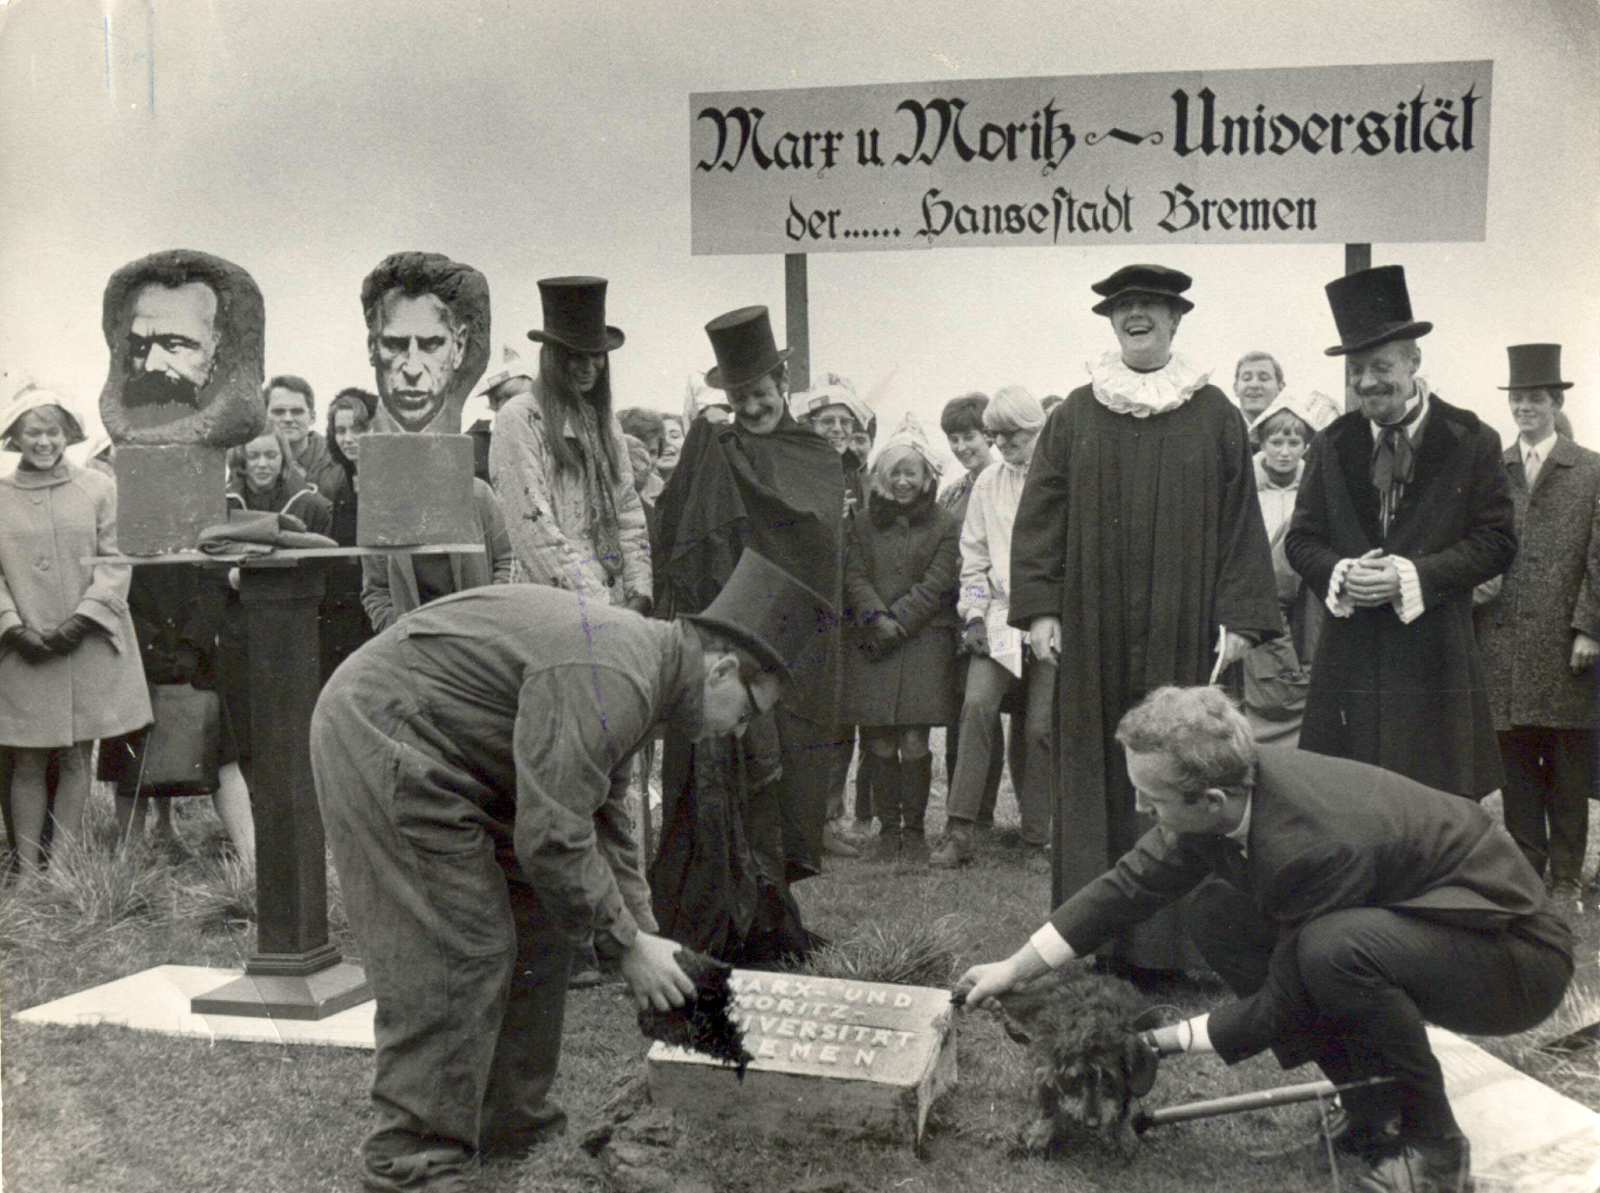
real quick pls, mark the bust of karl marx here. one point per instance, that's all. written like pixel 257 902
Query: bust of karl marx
pixel 185 332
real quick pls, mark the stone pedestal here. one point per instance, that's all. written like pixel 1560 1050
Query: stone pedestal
pixel 832 1057
pixel 167 494
pixel 416 490
pixel 296 972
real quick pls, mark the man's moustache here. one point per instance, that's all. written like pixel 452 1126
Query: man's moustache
pixel 155 389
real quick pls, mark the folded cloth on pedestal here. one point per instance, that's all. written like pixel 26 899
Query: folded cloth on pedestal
pixel 259 534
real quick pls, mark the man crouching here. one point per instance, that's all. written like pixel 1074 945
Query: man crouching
pixel 1345 905
pixel 469 765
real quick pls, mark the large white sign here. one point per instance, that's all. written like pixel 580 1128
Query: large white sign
pixel 1318 154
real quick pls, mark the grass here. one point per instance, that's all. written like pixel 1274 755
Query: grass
pixel 117 1111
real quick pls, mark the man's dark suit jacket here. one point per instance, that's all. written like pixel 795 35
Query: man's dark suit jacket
pixel 1326 834
pixel 1409 698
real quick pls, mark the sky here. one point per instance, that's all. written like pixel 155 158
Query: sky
pixel 306 140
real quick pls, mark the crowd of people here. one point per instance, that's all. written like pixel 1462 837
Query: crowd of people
pixel 1352 578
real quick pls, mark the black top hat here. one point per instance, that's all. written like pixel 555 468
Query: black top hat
pixel 1372 307
pixel 1157 280
pixel 575 315
pixel 744 346
pixel 766 610
pixel 1535 366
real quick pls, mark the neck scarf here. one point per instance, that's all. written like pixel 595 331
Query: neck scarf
pixel 1394 458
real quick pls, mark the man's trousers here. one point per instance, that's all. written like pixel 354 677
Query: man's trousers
pixel 1352 990
pixel 470 983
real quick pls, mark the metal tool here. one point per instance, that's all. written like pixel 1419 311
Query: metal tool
pixel 1263 1099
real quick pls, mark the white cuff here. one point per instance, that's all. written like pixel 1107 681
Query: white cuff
pixel 1336 602
pixel 1052 946
pixel 1198 1036
pixel 1408 605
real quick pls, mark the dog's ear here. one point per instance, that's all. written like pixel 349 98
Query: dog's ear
pixel 1139 1065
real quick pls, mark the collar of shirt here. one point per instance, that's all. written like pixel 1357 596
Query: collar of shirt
pixel 1542 447
pixel 1413 429
pixel 1242 834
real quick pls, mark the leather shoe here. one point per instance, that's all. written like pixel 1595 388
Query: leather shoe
pixel 954 848
pixel 834 842
pixel 1420 1166
pixel 1354 1142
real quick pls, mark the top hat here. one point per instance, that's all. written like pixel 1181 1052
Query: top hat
pixel 1155 280
pixel 1535 366
pixel 1372 307
pixel 744 346
pixel 770 613
pixel 575 315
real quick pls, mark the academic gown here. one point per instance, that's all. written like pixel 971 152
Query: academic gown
pixel 1143 534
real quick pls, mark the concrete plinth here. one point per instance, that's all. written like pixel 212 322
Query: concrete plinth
pixel 167 494
pixel 834 1057
pixel 416 490
pixel 161 1000
pixel 277 996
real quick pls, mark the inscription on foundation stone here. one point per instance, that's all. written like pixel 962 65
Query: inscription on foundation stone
pixel 843 1057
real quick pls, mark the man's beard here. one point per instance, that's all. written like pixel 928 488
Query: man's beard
pixel 160 389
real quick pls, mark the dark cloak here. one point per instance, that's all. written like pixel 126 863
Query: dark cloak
pixel 741 820
pixel 1143 535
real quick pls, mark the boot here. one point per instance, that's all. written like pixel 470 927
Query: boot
pixel 916 778
pixel 887 788
pixel 955 849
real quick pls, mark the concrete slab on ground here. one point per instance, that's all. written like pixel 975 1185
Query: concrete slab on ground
pixel 1526 1137
pixel 158 1000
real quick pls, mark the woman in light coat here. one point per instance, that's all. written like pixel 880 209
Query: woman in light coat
pixel 69 665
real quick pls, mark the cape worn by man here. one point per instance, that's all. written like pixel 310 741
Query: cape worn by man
pixel 737 824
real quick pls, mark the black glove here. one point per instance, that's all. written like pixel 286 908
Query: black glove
pixel 27 643
pixel 975 639
pixel 888 631
pixel 69 635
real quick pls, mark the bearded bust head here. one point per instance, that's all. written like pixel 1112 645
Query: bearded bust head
pixel 184 330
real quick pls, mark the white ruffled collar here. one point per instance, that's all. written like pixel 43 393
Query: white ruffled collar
pixel 1128 391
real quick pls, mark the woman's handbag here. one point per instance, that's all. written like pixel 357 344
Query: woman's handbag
pixel 183 749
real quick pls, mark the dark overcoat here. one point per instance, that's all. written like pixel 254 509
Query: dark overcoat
pixel 1409 698
pixel 1551 591
pixel 902 562
pixel 1144 536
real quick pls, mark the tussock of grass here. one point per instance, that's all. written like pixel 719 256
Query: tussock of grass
pixel 89 887
pixel 921 953
pixel 224 893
